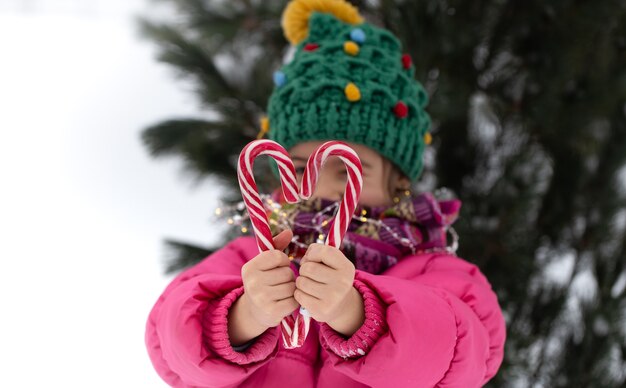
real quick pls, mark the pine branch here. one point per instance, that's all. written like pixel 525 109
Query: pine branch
pixel 207 148
pixel 182 255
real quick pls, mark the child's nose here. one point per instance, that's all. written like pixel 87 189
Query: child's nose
pixel 326 187
pixel 329 189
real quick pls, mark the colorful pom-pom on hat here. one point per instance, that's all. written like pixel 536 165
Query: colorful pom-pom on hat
pixel 279 78
pixel 295 20
pixel 311 47
pixel 348 80
pixel 265 126
pixel 357 35
pixel 352 92
pixel 351 48
pixel 406 61
pixel 428 138
pixel 400 109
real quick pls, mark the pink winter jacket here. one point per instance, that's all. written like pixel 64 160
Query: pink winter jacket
pixel 431 320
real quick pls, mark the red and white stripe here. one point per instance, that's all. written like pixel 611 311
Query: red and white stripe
pixel 249 189
pixel 352 192
pixel 295 327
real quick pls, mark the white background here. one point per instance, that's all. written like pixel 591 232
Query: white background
pixel 84 209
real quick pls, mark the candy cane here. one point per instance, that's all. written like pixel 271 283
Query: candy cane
pixel 352 191
pixel 295 329
pixel 249 189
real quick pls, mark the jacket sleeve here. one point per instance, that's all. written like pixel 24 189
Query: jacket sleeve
pixel 187 329
pixel 433 319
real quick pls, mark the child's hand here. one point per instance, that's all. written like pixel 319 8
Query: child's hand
pixel 325 285
pixel 269 284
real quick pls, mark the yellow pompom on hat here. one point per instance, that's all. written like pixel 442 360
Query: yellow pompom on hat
pixel 295 20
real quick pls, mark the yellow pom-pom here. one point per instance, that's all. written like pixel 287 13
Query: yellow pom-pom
pixel 265 126
pixel 295 18
pixel 352 92
pixel 351 48
pixel 428 138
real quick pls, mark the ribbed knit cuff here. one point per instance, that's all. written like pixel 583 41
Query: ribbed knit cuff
pixel 366 336
pixel 215 329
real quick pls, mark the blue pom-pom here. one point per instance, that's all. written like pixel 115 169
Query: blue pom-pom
pixel 279 78
pixel 357 35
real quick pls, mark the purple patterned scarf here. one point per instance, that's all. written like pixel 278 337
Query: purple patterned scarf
pixel 415 224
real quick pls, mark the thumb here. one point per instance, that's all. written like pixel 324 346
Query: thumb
pixel 282 239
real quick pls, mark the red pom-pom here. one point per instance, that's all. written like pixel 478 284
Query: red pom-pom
pixel 311 46
pixel 406 61
pixel 401 110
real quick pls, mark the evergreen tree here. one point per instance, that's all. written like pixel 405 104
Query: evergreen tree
pixel 528 101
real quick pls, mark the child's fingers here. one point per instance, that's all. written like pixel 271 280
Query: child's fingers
pixel 277 276
pixel 310 286
pixel 287 306
pixel 269 260
pixel 307 301
pixel 326 254
pixel 282 239
pixel 282 291
pixel 317 271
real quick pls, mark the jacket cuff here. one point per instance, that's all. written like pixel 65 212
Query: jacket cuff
pixel 366 336
pixel 215 329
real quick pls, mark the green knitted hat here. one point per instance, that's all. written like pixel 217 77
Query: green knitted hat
pixel 349 81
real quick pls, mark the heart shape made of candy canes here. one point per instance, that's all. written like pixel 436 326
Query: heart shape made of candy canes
pixel 295 327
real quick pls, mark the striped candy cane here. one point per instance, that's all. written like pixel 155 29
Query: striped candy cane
pixel 351 194
pixel 249 189
pixel 295 327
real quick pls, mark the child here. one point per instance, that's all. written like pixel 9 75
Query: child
pixel 394 307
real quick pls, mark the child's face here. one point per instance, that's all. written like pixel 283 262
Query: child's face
pixel 380 179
